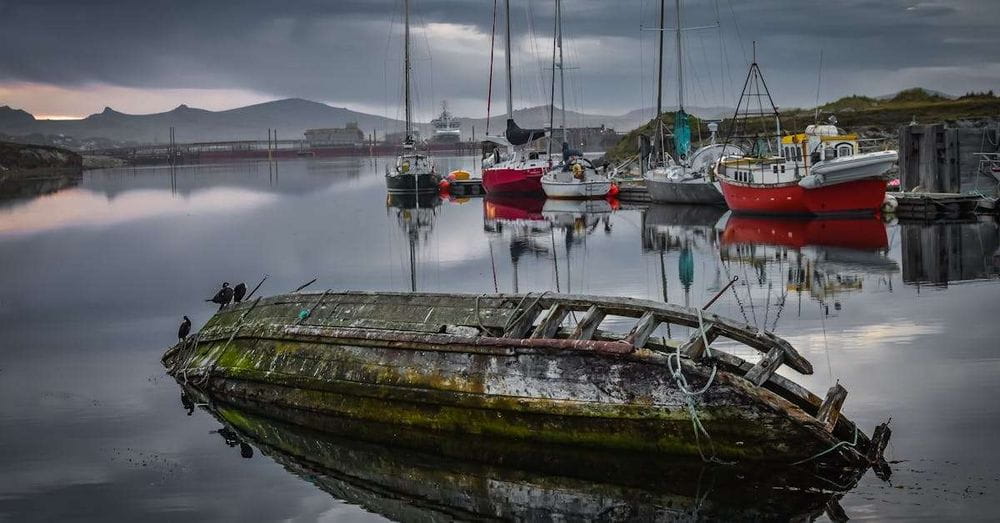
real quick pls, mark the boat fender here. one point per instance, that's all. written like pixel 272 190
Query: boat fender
pixel 303 314
pixel 444 186
pixel 811 182
pixel 577 171
pixel 405 168
pixel 890 204
pixel 613 191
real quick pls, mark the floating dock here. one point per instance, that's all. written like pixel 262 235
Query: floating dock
pixel 932 205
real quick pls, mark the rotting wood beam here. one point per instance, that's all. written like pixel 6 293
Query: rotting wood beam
pixel 523 320
pixel 763 370
pixel 588 325
pixel 829 410
pixel 640 334
pixel 695 347
pixel 550 324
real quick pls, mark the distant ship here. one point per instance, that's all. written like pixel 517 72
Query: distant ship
pixel 446 128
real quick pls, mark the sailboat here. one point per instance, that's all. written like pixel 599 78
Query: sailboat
pixel 686 179
pixel 515 170
pixel 413 171
pixel 815 173
pixel 574 177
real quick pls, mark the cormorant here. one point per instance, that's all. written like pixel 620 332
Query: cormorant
pixel 185 329
pixel 239 291
pixel 224 296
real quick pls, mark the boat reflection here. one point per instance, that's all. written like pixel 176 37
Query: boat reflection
pixel 683 229
pixel 415 214
pixel 534 225
pixel 410 475
pixel 822 257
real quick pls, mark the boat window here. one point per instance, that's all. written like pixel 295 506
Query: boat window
pixel 845 150
pixel 774 169
pixel 782 168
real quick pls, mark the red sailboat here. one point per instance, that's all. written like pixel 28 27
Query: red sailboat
pixel 819 172
pixel 509 168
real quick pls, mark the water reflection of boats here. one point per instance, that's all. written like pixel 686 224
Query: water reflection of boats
pixel 415 215
pixel 824 257
pixel 413 475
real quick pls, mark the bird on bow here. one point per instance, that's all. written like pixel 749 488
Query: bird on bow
pixel 239 291
pixel 185 329
pixel 224 296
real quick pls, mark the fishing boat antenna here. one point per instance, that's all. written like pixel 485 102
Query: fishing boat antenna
pixel 819 82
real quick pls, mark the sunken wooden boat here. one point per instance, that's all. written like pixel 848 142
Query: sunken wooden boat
pixel 532 367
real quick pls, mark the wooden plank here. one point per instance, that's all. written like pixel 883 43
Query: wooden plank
pixel 550 324
pixel 642 330
pixel 635 308
pixel 523 320
pixel 695 346
pixel 829 410
pixel 593 317
pixel 763 370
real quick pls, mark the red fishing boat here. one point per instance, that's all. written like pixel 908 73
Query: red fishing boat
pixel 819 172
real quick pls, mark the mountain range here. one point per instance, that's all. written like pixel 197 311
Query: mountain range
pixel 290 117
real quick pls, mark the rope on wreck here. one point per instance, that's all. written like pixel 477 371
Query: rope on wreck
pixel 521 311
pixel 689 395
pixel 833 448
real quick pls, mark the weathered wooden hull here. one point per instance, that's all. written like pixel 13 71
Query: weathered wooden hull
pixel 409 475
pixel 385 359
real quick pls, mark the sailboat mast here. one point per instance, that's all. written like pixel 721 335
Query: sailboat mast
pixel 659 69
pixel 406 68
pixel 680 62
pixel 510 83
pixel 552 89
pixel 562 78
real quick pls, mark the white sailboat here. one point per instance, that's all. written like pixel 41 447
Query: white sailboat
pixel 413 171
pixel 574 177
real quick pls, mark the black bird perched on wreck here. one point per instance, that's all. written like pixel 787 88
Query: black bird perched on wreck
pixel 224 296
pixel 185 329
pixel 239 291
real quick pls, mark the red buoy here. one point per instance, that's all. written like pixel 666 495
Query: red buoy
pixel 614 190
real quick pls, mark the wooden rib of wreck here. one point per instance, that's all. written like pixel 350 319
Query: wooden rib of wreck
pixel 509 366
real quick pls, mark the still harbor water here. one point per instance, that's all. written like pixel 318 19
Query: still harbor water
pixel 95 276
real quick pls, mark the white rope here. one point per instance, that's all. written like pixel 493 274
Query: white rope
pixel 681 381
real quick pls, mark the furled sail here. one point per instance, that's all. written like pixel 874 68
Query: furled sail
pixel 517 136
pixel 682 134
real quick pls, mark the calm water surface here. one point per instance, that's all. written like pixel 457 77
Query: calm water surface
pixel 95 277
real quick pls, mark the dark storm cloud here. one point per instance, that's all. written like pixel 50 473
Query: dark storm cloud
pixel 341 50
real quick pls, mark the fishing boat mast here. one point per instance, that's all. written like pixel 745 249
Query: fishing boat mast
pixel 680 62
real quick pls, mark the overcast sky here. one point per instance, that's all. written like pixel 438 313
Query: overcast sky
pixel 73 57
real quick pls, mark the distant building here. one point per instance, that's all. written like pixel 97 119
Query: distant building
pixel 397 138
pixel 589 139
pixel 349 135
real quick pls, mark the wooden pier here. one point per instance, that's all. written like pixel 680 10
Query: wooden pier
pixel 470 187
pixel 931 205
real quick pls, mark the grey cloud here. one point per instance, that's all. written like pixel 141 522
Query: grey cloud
pixel 340 50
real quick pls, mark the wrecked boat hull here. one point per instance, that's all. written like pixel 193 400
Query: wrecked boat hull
pixel 324 354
